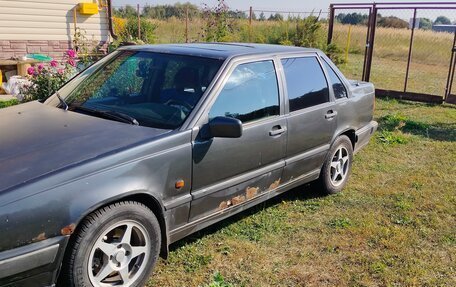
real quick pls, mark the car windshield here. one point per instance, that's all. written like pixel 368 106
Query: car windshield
pixel 150 89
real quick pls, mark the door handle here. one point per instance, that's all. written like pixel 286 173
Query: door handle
pixel 277 130
pixel 330 115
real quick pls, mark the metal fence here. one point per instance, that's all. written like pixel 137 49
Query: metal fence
pixel 406 49
pixel 185 22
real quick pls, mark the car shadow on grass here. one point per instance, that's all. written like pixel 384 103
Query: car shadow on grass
pixel 436 131
pixel 302 193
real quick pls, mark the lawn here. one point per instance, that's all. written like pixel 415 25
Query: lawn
pixel 394 224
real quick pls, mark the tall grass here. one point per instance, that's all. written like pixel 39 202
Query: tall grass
pixel 430 58
pixel 429 47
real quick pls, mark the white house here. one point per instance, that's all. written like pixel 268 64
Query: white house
pixel 48 26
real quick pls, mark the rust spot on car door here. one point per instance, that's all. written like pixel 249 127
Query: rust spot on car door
pixel 68 230
pixel 40 237
pixel 274 185
pixel 225 204
pixel 251 192
pixel 238 199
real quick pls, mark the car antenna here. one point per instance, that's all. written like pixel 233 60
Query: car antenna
pixel 62 101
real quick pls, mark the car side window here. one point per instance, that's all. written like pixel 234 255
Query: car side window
pixel 306 82
pixel 250 93
pixel 339 89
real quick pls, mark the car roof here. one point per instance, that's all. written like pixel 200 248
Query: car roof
pixel 218 50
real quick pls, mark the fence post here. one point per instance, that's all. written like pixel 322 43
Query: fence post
pixel 366 49
pixel 186 24
pixel 139 23
pixel 451 70
pixel 370 50
pixel 409 59
pixel 331 23
pixel 348 43
pixel 250 23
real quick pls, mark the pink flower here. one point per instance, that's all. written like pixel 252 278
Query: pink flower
pixel 72 62
pixel 40 67
pixel 31 70
pixel 54 63
pixel 71 53
pixel 60 71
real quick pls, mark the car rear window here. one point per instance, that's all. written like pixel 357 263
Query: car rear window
pixel 306 82
pixel 338 87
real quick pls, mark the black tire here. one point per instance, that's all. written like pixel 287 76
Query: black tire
pixel 331 185
pixel 95 230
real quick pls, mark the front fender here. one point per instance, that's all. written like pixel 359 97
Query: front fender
pixel 150 170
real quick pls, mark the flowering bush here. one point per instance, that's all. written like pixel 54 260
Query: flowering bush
pixel 46 79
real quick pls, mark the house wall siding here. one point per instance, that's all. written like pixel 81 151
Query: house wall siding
pixel 46 26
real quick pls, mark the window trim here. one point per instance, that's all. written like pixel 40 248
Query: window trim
pixel 285 86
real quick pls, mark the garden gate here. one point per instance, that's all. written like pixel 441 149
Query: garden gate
pixel 406 49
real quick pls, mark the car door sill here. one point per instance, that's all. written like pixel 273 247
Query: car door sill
pixel 307 154
pixel 236 179
pixel 201 223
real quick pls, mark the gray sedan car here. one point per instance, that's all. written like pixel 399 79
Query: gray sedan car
pixel 153 143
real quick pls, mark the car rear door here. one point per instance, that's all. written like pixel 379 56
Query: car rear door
pixel 226 171
pixel 311 117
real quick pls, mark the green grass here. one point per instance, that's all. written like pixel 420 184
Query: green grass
pixel 394 224
pixel 4 104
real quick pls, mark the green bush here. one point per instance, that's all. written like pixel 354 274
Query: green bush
pixel 218 27
pixel 334 53
pixel 130 33
pixel 309 33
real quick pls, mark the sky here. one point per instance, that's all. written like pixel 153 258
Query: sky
pixel 296 6
pixel 287 5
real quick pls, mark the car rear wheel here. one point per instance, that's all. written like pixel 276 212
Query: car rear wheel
pixel 117 245
pixel 337 167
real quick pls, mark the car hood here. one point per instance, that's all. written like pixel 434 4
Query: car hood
pixel 36 139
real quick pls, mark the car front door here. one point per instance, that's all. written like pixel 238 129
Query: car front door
pixel 311 117
pixel 230 171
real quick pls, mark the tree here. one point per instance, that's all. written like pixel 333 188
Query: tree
pixel 237 14
pixel 425 24
pixel 352 19
pixel 126 12
pixel 275 17
pixel 392 22
pixel 164 12
pixel 218 25
pixel 262 17
pixel 442 20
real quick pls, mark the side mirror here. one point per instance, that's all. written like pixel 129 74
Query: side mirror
pixel 224 127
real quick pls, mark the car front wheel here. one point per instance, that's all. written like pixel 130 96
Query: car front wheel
pixel 337 167
pixel 117 245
